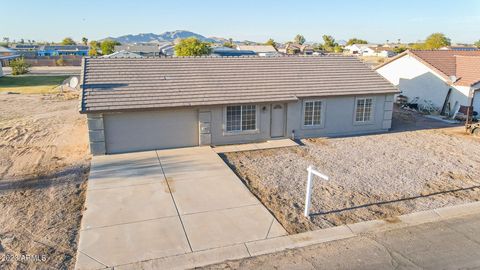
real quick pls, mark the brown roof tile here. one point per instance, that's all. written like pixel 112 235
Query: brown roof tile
pixel 468 70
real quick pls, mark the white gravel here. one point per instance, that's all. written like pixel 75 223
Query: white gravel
pixel 368 175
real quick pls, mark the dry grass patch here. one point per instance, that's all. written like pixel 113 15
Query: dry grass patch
pixel 44 164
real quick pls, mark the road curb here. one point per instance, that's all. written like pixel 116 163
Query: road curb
pixel 272 245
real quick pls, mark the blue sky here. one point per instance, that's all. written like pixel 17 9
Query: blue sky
pixel 376 21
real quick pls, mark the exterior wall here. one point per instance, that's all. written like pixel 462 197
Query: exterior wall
pixel 96 134
pixel 338 117
pixel 415 79
pixel 220 136
pixel 476 100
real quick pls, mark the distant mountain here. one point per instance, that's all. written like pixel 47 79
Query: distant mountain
pixel 167 36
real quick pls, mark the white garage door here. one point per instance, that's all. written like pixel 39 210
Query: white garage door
pixel 139 131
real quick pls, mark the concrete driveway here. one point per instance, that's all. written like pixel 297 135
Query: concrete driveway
pixel 155 204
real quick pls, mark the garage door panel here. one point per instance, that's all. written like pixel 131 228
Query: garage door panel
pixel 139 131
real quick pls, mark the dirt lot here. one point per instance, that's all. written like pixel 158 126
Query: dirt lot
pixel 417 166
pixel 44 163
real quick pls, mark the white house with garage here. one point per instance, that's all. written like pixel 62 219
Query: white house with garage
pixel 442 78
pixel 136 104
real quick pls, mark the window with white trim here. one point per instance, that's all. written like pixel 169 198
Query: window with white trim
pixel 312 113
pixel 241 118
pixel 363 110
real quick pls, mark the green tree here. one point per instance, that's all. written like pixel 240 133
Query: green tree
pixel 436 41
pixel 229 44
pixel 19 66
pixel 399 50
pixel 329 43
pixel 299 39
pixel 477 44
pixel 68 41
pixel 84 40
pixel 192 47
pixel 337 49
pixel 108 46
pixel 417 46
pixel 272 43
pixel 94 48
pixel 356 41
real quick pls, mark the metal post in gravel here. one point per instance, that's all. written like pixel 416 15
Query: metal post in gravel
pixel 308 197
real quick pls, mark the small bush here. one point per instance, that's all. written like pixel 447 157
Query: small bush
pixel 60 61
pixel 19 66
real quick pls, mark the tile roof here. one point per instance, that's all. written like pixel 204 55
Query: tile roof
pixel 138 48
pixel 115 84
pixel 468 70
pixel 442 61
pixel 257 48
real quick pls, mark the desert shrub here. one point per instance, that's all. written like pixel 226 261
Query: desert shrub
pixel 19 66
pixel 60 61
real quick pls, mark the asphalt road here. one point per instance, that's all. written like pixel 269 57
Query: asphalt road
pixel 448 244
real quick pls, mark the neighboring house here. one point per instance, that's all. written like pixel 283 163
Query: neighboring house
pixel 171 102
pixel 167 48
pixel 442 78
pixel 460 48
pixel 145 50
pixel 297 49
pixel 226 51
pixel 26 50
pixel 4 51
pixel 379 52
pixel 123 54
pixel 57 50
pixel 4 61
pixel 260 50
pixel 360 49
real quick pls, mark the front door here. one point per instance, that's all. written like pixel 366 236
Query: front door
pixel 277 128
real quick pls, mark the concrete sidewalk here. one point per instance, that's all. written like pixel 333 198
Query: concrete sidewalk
pixel 452 243
pixel 150 205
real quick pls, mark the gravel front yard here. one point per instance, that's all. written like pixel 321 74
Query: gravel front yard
pixel 371 177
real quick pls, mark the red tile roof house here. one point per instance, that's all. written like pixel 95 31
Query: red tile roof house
pixel 156 103
pixel 430 74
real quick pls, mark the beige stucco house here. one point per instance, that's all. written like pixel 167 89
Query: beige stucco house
pixel 144 104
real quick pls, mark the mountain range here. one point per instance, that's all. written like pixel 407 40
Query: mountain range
pixel 164 37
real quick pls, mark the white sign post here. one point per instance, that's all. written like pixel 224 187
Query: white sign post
pixel 311 171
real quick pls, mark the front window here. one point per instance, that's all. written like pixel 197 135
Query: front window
pixel 312 113
pixel 364 110
pixel 241 118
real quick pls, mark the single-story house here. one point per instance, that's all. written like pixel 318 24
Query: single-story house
pixel 4 51
pixel 442 78
pixel 359 49
pixel 260 50
pixel 370 50
pixel 380 51
pixel 155 103
pixel 56 50
pixel 123 54
pixel 460 48
pixel 226 51
pixel 145 50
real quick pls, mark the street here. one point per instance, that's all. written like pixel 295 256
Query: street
pixel 448 244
